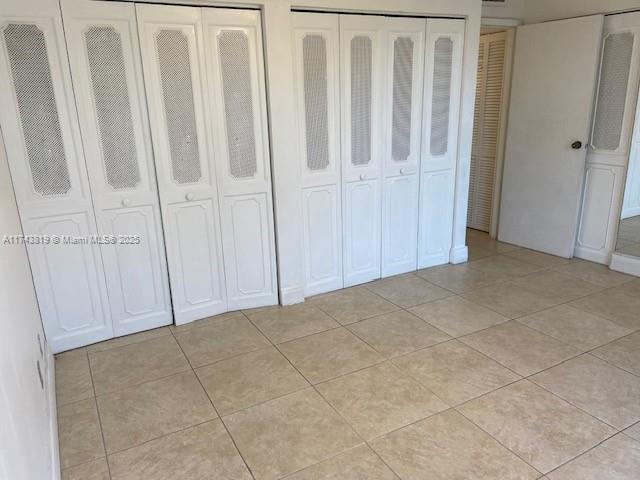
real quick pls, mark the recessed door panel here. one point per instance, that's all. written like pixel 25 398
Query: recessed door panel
pixel 107 74
pixel 436 218
pixel 42 139
pixel 400 229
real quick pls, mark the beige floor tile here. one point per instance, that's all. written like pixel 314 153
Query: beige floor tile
pixel 245 380
pixel 460 278
pixel 550 284
pixel 329 354
pixel 617 459
pixel 520 348
pixel 202 452
pixel 144 412
pixel 289 433
pixel 120 367
pixel 634 431
pixel 538 258
pixel 129 339
pixel 204 322
pixel 73 377
pixel 595 273
pixel 397 333
pixel 604 391
pixel 79 433
pixel 449 447
pixel 502 265
pixel 510 300
pixel 455 372
pixel 360 463
pixel 477 253
pixel 352 304
pixel 225 338
pixel 457 316
pixel 482 239
pixel 613 305
pixel 380 399
pixel 623 353
pixel 408 290
pixel 93 470
pixel 575 327
pixel 539 427
pixel 281 324
pixel 630 288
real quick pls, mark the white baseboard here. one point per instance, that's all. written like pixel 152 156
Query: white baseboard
pixel 53 413
pixel 292 295
pixel 630 212
pixel 459 255
pixel 596 256
pixel 625 264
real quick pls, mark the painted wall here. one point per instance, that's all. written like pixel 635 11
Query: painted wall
pixel 543 10
pixel 511 9
pixel 27 448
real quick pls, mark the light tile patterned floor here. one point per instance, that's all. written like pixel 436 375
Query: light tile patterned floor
pixel 516 365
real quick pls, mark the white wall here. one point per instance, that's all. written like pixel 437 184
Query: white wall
pixel 27 447
pixel 512 9
pixel 543 10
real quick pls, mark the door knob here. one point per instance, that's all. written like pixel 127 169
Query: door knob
pixel 189 196
pixel 402 171
pixel 577 145
pixel 363 177
pixel 126 202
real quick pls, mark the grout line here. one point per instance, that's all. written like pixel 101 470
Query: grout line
pixel 95 401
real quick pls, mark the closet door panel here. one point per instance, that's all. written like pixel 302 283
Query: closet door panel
pixel 105 63
pixel 443 74
pixel 175 80
pixel 361 57
pixel 316 60
pixel 404 66
pixel 233 46
pixel 42 140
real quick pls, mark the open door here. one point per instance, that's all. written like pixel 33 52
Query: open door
pixel 554 81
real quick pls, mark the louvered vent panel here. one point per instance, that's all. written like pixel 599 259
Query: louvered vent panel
pixel 111 96
pixel 33 86
pixel 314 57
pixel 443 63
pixel 402 91
pixel 177 93
pixel 361 71
pixel 612 92
pixel 477 127
pixel 238 104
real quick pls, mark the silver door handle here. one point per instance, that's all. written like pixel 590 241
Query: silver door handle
pixel 189 197
pixel 363 177
pixel 402 171
pixel 126 202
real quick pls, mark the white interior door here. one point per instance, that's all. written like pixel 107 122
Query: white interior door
pixel 41 135
pixel 172 47
pixel 104 53
pixel 233 49
pixel 442 89
pixel 316 43
pixel 361 46
pixel 403 45
pixel 553 86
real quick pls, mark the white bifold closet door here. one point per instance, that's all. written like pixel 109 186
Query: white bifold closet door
pixel 403 40
pixel 205 89
pixel 104 54
pixel 42 139
pixel 362 63
pixel 316 41
pixel 441 115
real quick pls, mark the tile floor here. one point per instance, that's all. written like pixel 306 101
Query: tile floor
pixel 516 365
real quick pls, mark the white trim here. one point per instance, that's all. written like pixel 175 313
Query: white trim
pixel 291 295
pixel 591 255
pixel 625 264
pixel 53 412
pixel 630 212
pixel 459 255
pixel 500 22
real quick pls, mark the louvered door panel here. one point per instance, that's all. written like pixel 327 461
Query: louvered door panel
pixel 361 58
pixel 235 79
pixel 404 68
pixel 316 57
pixel 41 135
pixel 175 80
pixel 443 69
pixel 107 74
pixel 489 96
